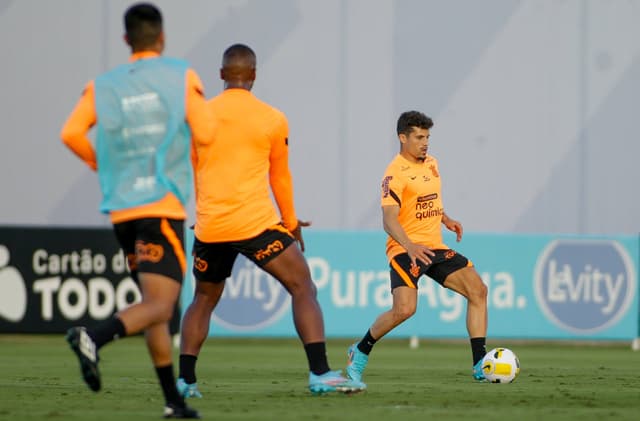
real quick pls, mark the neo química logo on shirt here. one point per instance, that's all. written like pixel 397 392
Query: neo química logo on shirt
pixel 252 299
pixel 584 286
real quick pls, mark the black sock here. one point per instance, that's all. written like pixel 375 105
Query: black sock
pixel 317 357
pixel 107 331
pixel 478 349
pixel 188 368
pixel 367 343
pixel 168 385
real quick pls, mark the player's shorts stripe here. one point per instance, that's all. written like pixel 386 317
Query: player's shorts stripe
pixel 403 275
pixel 175 242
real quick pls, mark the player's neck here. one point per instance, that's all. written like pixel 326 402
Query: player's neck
pixel 247 85
pixel 411 158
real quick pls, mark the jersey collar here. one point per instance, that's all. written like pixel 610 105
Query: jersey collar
pixel 142 55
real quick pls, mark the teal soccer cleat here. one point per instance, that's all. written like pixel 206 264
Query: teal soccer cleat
pixel 478 374
pixel 357 363
pixel 188 390
pixel 332 381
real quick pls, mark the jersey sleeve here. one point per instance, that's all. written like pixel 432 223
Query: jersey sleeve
pixel 392 187
pixel 75 131
pixel 280 175
pixel 197 111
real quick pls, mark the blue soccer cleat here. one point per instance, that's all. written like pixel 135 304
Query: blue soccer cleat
pixel 332 381
pixel 357 362
pixel 187 390
pixel 478 374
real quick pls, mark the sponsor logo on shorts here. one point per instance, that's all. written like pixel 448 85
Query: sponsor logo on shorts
pixel 415 270
pixel 131 260
pixel 201 265
pixel 149 252
pixel 272 248
pixel 449 254
pixel 584 286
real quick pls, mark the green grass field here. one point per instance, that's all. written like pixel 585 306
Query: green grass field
pixel 264 379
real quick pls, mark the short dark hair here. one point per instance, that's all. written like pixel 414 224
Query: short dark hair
pixel 143 25
pixel 410 119
pixel 238 53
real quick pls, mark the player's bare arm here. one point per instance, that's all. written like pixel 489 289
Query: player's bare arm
pixel 394 229
pixel 452 225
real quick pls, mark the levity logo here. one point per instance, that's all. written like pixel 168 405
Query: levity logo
pixel 252 298
pixel 13 291
pixel 584 286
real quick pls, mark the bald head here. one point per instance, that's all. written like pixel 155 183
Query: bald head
pixel 238 67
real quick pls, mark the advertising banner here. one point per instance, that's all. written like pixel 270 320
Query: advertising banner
pixel 55 278
pixel 540 286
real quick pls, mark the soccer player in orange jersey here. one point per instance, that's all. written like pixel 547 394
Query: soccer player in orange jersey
pixel 146 114
pixel 236 171
pixel 412 215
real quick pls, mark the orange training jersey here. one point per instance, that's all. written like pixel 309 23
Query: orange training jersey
pixel 83 117
pixel 237 170
pixel 415 187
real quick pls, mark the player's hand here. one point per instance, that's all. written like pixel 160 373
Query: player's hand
pixel 420 252
pixel 455 226
pixel 297 232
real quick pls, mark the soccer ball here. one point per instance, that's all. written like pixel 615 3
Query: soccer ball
pixel 500 365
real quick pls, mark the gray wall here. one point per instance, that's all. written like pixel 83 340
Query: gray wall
pixel 534 102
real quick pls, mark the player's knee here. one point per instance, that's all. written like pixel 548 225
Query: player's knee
pixel 479 292
pixel 402 313
pixel 164 312
pixel 204 302
pixel 304 288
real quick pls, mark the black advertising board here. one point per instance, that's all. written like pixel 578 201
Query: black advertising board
pixel 55 278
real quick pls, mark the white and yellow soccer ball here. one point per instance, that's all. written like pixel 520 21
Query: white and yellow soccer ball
pixel 500 365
